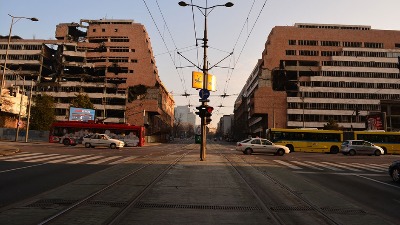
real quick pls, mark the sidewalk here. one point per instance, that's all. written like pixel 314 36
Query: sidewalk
pixel 7 148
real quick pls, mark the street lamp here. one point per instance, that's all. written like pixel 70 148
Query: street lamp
pixel 8 43
pixel 205 70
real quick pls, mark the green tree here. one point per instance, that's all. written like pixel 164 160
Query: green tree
pixel 82 101
pixel 42 112
pixel 332 125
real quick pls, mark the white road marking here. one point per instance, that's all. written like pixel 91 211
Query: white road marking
pixel 288 164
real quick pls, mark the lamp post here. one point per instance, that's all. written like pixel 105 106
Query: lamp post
pixel 20 109
pixel 205 12
pixel 8 43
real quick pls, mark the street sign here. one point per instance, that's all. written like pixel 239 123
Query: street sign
pixel 204 94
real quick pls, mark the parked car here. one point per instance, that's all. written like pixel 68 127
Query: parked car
pixel 394 171
pixel 252 145
pixel 355 147
pixel 68 141
pixel 96 140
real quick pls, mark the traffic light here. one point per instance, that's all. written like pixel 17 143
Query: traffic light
pixel 208 114
pixel 201 112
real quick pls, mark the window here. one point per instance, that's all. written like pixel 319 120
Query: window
pixel 308 42
pixel 373 45
pixel 308 53
pixel 115 30
pixel 352 44
pixel 292 42
pixel 94 30
pixel 330 43
pixel 290 52
pixel 134 60
pixel 103 30
pixel 397 45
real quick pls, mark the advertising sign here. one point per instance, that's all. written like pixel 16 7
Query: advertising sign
pixel 197 81
pixel 80 114
pixel 375 122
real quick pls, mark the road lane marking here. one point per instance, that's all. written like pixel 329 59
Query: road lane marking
pixel 324 166
pixel 20 168
pixel 21 155
pixel 307 165
pixel 377 181
pixel 29 158
pixel 84 160
pixel 49 158
pixel 288 164
pixel 123 160
pixel 368 167
pixel 104 160
pixel 361 166
pixel 342 166
pixel 68 159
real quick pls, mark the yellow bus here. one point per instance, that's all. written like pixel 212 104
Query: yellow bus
pixel 389 141
pixel 307 140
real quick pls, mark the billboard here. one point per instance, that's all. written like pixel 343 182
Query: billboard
pixel 197 81
pixel 375 121
pixel 80 114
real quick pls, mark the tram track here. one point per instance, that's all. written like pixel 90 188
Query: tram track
pixel 290 200
pixel 151 168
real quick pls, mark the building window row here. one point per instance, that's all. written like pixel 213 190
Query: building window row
pixel 20 47
pixel 359 64
pixel 344 53
pixel 333 106
pixel 308 53
pixel 20 57
pixel 336 27
pixel 340 95
pixel 322 118
pixel 343 84
pixel 360 74
pixel 336 43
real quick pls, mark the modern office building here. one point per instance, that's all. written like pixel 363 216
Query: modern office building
pixel 109 60
pixel 185 119
pixel 310 73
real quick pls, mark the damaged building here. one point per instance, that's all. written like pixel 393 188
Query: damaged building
pixel 109 60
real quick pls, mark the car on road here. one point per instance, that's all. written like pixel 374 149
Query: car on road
pixel 358 147
pixel 394 171
pixel 253 145
pixel 95 140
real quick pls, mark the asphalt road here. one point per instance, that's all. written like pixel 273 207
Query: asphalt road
pixel 362 181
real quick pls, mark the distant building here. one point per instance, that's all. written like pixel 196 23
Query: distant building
pixel 109 60
pixel 310 73
pixel 185 118
pixel 225 126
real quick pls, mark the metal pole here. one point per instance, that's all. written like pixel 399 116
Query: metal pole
pixel 29 112
pixel 6 58
pixel 205 82
pixel 20 109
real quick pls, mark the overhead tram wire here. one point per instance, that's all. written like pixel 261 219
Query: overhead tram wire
pixel 244 45
pixel 165 44
pixel 195 34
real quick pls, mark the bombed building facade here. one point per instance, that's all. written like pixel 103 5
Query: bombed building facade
pixel 109 60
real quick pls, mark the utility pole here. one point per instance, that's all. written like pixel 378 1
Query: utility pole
pixel 29 112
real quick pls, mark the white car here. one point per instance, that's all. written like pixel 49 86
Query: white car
pixel 104 140
pixel 251 145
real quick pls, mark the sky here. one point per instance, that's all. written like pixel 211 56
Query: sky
pixel 236 35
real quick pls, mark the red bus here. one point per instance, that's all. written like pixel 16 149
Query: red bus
pixel 131 135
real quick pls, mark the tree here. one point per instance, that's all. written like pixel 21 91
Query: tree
pixel 42 112
pixel 332 125
pixel 82 101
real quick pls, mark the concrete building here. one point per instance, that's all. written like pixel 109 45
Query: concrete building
pixel 186 119
pixel 109 60
pixel 310 73
pixel 225 125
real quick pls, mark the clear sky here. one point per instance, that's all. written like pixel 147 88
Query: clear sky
pixel 242 29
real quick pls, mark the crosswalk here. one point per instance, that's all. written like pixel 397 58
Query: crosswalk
pixel 334 167
pixel 31 157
